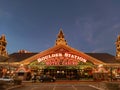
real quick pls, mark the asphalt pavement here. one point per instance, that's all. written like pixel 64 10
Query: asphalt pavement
pixel 58 85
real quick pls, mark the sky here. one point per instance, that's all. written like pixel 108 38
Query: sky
pixel 90 26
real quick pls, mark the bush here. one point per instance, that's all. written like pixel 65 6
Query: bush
pixel 17 81
pixel 2 85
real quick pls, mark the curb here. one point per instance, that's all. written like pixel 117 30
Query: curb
pixel 14 87
pixel 96 87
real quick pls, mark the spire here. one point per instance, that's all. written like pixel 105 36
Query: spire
pixel 118 38
pixel 61 35
pixel 118 48
pixel 3 44
pixel 3 37
pixel 60 38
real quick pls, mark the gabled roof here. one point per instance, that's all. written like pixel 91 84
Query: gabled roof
pixel 104 57
pixel 17 57
pixel 61 48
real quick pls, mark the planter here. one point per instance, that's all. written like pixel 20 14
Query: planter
pixel 17 82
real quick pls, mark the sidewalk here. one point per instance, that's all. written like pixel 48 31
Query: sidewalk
pixel 14 86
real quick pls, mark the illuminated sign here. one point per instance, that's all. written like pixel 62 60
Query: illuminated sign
pixel 49 56
pixel 61 62
pixel 75 57
pixel 63 55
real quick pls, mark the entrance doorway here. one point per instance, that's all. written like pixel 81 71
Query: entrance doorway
pixel 68 73
pixel 62 73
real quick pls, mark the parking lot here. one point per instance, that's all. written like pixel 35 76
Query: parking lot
pixel 59 85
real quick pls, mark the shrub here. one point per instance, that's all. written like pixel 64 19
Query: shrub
pixel 17 81
pixel 2 85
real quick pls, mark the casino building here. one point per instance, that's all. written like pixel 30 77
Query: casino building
pixel 61 61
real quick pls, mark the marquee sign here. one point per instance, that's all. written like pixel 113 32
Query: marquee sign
pixel 62 59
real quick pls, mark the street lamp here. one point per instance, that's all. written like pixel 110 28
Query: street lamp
pixel 111 74
pixel 8 65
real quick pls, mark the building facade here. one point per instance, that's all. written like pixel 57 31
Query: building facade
pixel 64 62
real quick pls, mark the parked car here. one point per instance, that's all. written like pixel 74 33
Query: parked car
pixel 45 78
pixel 6 79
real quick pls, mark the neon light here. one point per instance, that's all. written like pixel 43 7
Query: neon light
pixel 65 55
pixel 49 56
pixel 75 57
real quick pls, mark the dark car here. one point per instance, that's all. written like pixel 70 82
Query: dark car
pixel 45 78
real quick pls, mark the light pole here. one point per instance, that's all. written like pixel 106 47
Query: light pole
pixel 111 77
pixel 8 70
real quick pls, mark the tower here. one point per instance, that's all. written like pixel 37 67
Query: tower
pixel 60 38
pixel 3 44
pixel 118 48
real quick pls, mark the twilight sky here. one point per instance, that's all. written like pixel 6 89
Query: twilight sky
pixel 33 25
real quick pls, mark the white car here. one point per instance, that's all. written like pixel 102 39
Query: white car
pixel 6 79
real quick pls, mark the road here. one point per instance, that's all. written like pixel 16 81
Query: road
pixel 55 86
